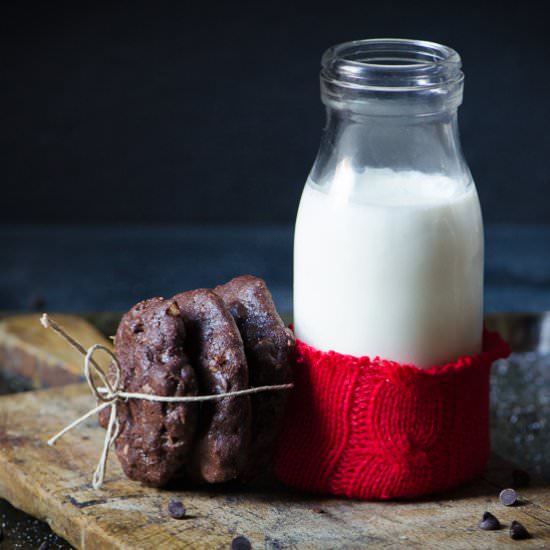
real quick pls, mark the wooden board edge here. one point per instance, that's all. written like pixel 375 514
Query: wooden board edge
pixel 38 504
pixel 38 368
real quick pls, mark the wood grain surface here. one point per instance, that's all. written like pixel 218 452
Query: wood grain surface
pixel 54 484
pixel 40 356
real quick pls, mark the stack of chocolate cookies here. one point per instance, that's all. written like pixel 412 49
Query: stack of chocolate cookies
pixel 202 342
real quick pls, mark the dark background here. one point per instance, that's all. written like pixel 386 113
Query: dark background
pixel 210 112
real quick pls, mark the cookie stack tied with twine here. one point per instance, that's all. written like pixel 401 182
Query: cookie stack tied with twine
pixel 182 397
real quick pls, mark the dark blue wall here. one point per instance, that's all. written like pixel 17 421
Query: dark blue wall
pixel 210 112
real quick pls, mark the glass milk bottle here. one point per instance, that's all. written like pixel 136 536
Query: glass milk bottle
pixel 388 250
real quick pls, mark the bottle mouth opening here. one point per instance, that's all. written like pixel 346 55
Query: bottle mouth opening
pixel 391 64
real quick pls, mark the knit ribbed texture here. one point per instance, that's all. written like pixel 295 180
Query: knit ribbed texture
pixel 376 429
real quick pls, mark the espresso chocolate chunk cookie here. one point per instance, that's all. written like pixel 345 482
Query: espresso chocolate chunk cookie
pixel 269 348
pixel 215 348
pixel 155 438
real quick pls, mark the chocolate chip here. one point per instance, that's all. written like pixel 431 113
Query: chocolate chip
pixel 240 543
pixel 489 522
pixel 176 509
pixel 518 531
pixel 520 478
pixel 508 497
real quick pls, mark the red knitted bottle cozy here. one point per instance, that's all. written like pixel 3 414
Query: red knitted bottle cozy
pixel 376 429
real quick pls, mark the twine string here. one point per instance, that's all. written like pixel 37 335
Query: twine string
pixel 110 394
pixel 48 322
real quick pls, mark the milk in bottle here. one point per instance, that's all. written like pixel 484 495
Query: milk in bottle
pixel 388 252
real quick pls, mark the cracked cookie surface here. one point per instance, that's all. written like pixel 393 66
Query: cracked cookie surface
pixel 214 344
pixel 269 348
pixel 155 438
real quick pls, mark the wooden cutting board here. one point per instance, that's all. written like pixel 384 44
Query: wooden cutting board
pixel 54 484
pixel 40 356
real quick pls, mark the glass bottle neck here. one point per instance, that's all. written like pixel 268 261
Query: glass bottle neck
pixel 427 144
pixel 390 77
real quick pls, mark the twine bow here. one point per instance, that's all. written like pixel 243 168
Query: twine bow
pixel 110 394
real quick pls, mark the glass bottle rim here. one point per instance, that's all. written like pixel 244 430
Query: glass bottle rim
pixel 391 65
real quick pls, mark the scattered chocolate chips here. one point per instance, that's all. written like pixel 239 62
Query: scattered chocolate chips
pixel 240 543
pixel 508 497
pixel 176 509
pixel 489 522
pixel 520 478
pixel 518 531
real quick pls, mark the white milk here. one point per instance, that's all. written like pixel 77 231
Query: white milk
pixel 390 264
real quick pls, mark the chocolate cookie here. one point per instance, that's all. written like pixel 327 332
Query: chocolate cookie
pixel 269 348
pixel 215 347
pixel 155 438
